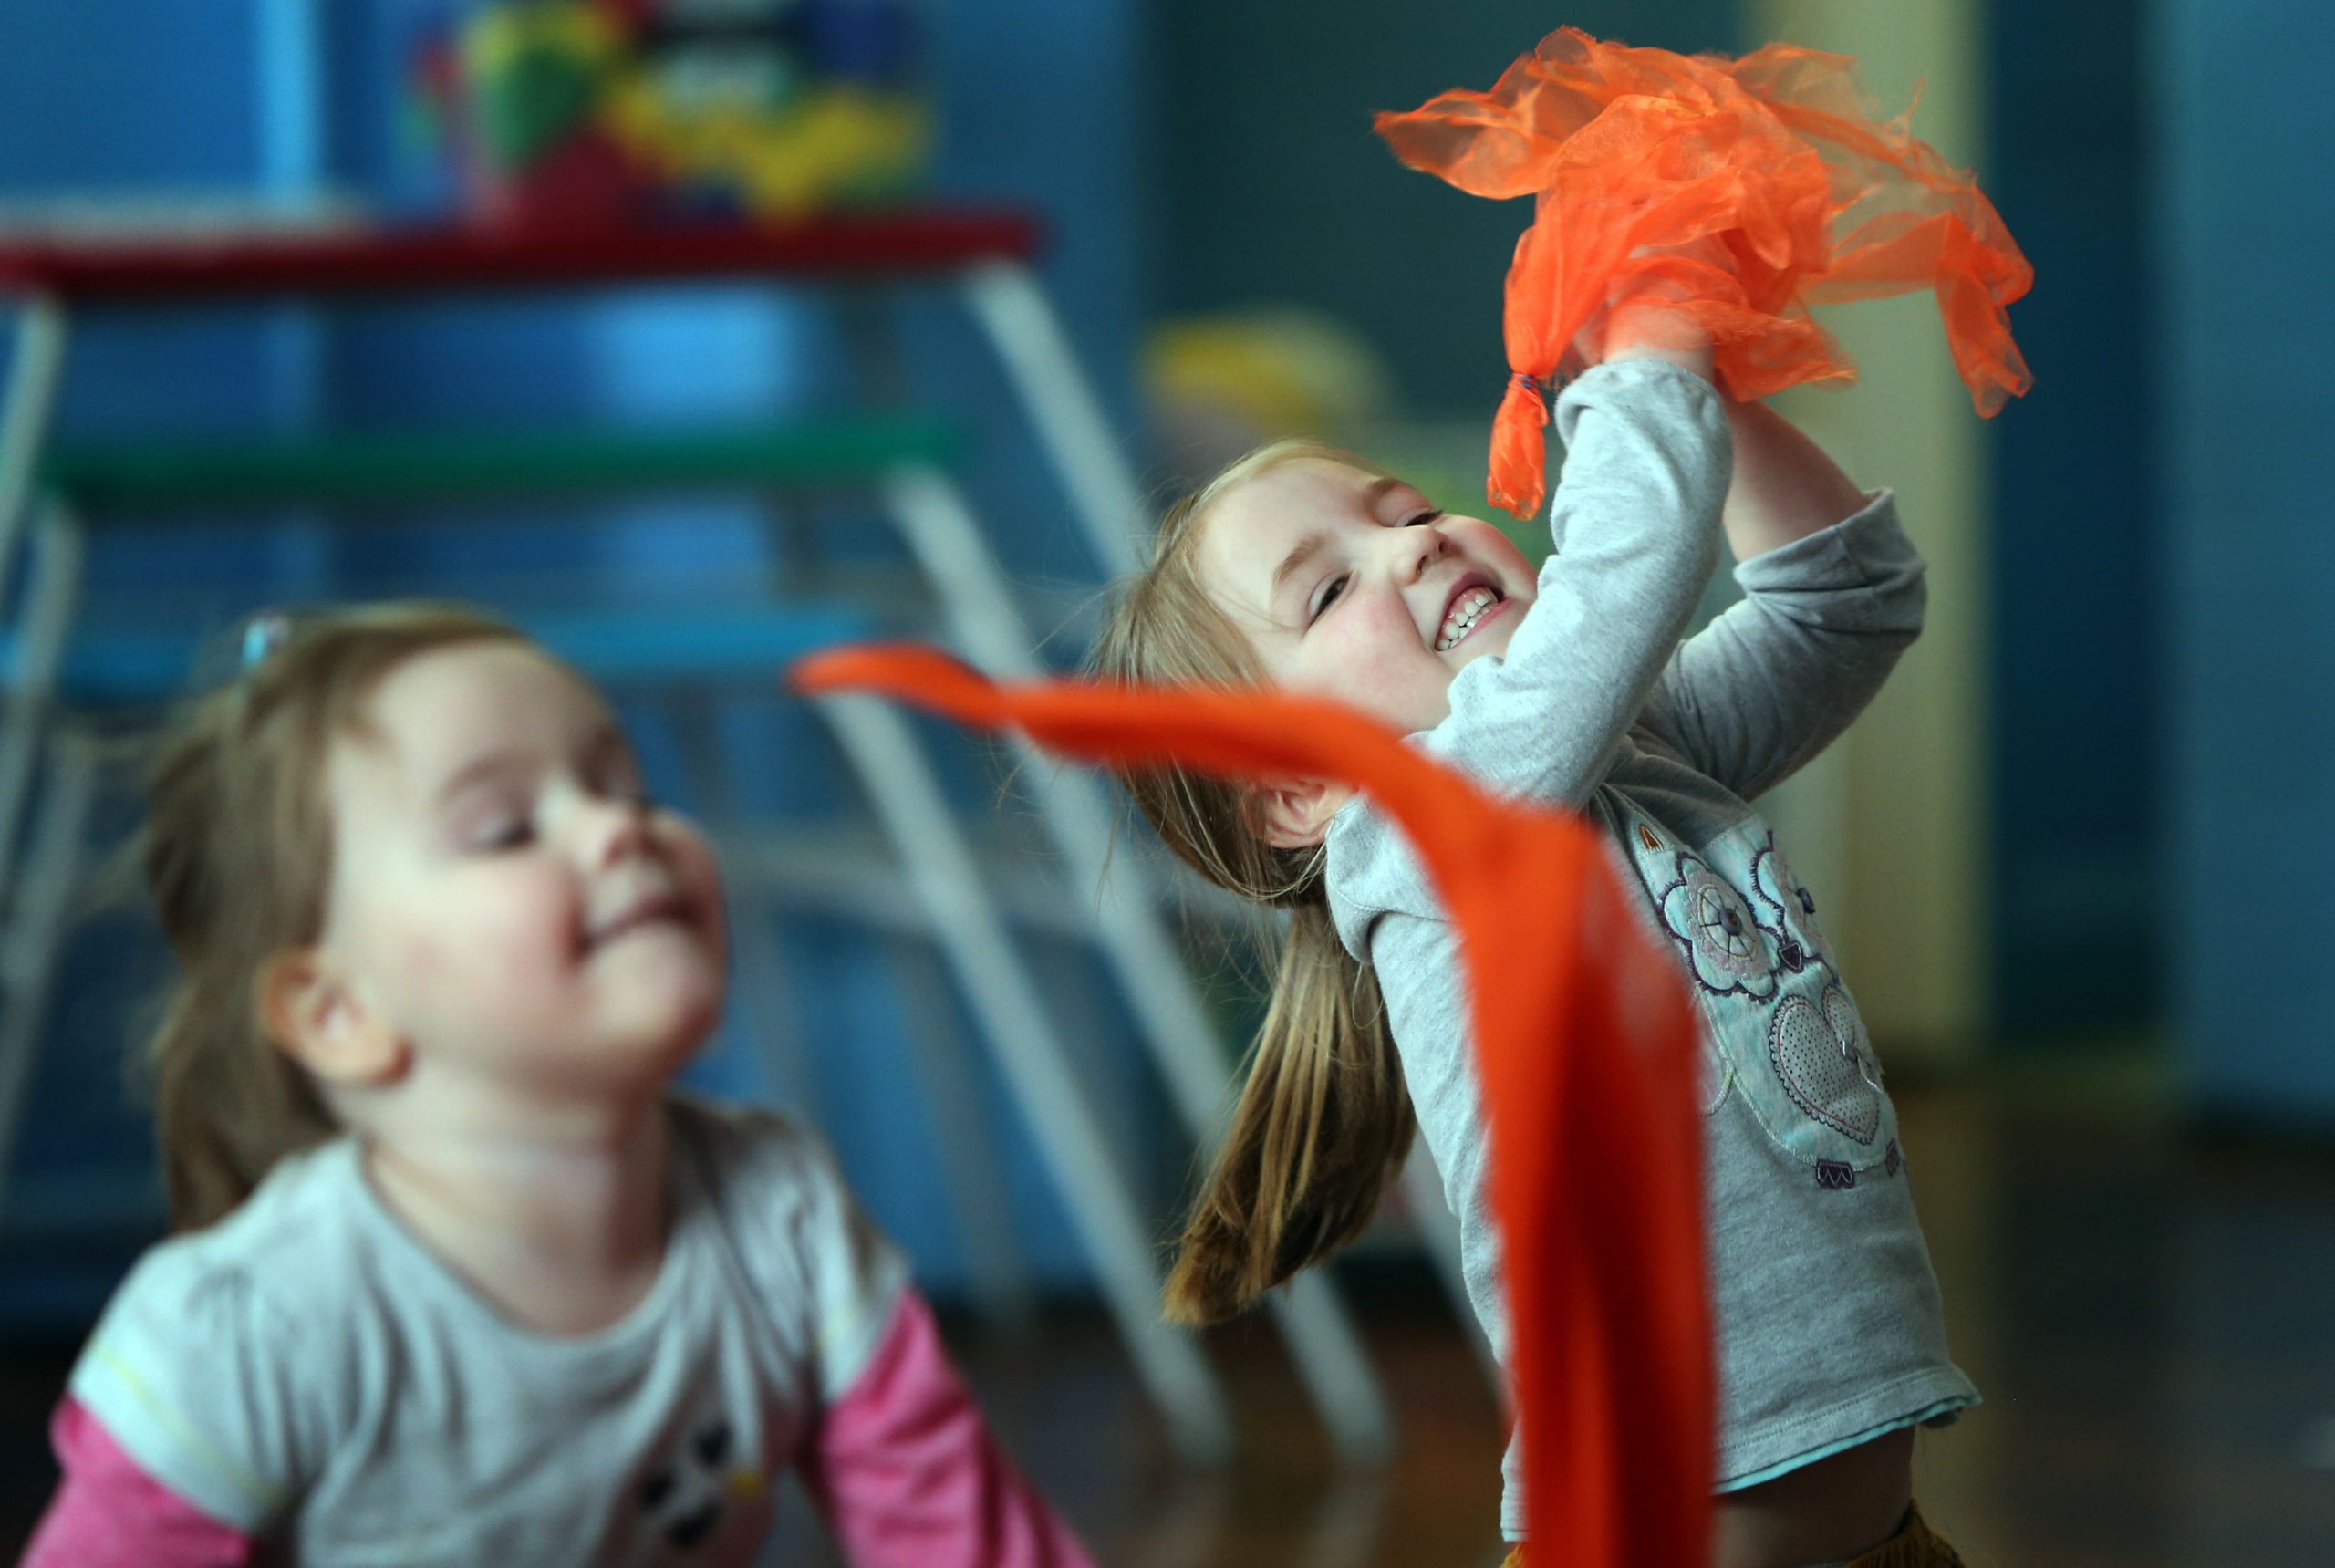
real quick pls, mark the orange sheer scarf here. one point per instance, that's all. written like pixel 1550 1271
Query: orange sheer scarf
pixel 1587 1048
pixel 1777 157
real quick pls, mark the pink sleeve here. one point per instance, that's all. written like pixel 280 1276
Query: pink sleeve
pixel 907 1474
pixel 109 1514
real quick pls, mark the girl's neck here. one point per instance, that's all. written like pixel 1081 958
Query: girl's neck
pixel 560 1224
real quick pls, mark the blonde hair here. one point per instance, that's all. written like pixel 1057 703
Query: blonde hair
pixel 1324 1118
pixel 237 854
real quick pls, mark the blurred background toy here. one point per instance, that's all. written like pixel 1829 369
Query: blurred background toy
pixel 563 111
pixel 1219 384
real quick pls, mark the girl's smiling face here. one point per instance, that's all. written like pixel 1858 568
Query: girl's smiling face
pixel 1352 586
pixel 511 903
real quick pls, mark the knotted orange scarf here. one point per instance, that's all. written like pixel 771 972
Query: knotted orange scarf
pixel 1587 1049
pixel 1777 157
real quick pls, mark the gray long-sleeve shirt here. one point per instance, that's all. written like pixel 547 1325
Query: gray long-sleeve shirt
pixel 1828 1315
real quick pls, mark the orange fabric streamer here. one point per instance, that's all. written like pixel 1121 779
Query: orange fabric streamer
pixel 1648 167
pixel 1586 1042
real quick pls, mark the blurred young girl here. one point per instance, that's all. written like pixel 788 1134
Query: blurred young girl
pixel 1302 568
pixel 460 1278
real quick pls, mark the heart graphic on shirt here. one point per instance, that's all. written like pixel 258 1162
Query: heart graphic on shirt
pixel 1815 1052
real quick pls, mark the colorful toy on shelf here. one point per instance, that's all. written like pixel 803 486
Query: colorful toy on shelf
pixel 1219 384
pixel 1745 190
pixel 569 110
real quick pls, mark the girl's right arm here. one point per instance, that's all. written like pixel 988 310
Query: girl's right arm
pixel 189 1422
pixel 1637 521
pixel 109 1514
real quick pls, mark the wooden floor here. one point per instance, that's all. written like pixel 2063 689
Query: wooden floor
pixel 2151 1315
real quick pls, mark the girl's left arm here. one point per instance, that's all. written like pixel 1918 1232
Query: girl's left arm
pixel 909 1476
pixel 109 1512
pixel 1784 487
pixel 1833 594
pixel 898 1460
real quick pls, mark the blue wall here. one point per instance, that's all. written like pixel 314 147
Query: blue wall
pixel 83 116
pixel 149 95
pixel 2077 665
pixel 2244 239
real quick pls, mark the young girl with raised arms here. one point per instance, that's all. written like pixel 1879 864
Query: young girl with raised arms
pixel 459 1279
pixel 1302 568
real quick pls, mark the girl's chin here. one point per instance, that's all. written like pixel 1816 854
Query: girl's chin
pixel 686 1018
pixel 662 1024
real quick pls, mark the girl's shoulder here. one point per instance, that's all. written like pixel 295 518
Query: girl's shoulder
pixel 771 1178
pixel 751 1149
pixel 280 1249
pixel 828 1275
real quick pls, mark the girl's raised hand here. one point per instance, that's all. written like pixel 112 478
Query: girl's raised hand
pixel 1640 318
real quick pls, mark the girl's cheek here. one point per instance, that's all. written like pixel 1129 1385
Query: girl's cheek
pixel 420 957
pixel 514 919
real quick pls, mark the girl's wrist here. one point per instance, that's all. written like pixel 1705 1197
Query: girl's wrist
pixel 1694 361
pixel 1651 329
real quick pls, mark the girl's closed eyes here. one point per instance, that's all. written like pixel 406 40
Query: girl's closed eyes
pixel 497 814
pixel 493 813
pixel 501 832
pixel 1329 594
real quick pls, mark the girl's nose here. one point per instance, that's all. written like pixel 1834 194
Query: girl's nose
pixel 1419 548
pixel 616 830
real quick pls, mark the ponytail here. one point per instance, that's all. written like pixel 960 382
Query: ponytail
pixel 1321 1127
pixel 226 1107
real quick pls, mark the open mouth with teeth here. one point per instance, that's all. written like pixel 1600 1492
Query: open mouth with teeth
pixel 1468 607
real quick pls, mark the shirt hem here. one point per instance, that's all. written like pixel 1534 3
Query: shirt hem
pixel 1750 1461
pixel 1780 1446
pixel 1938 1411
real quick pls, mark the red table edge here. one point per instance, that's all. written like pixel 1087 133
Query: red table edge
pixel 392 260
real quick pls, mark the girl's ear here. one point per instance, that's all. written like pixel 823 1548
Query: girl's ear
pixel 310 1008
pixel 1294 813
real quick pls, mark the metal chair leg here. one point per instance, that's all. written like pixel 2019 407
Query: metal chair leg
pixel 34 938
pixel 1013 311
pixel 765 994
pixel 52 596
pixel 994 1262
pixel 884 753
pixel 33 376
